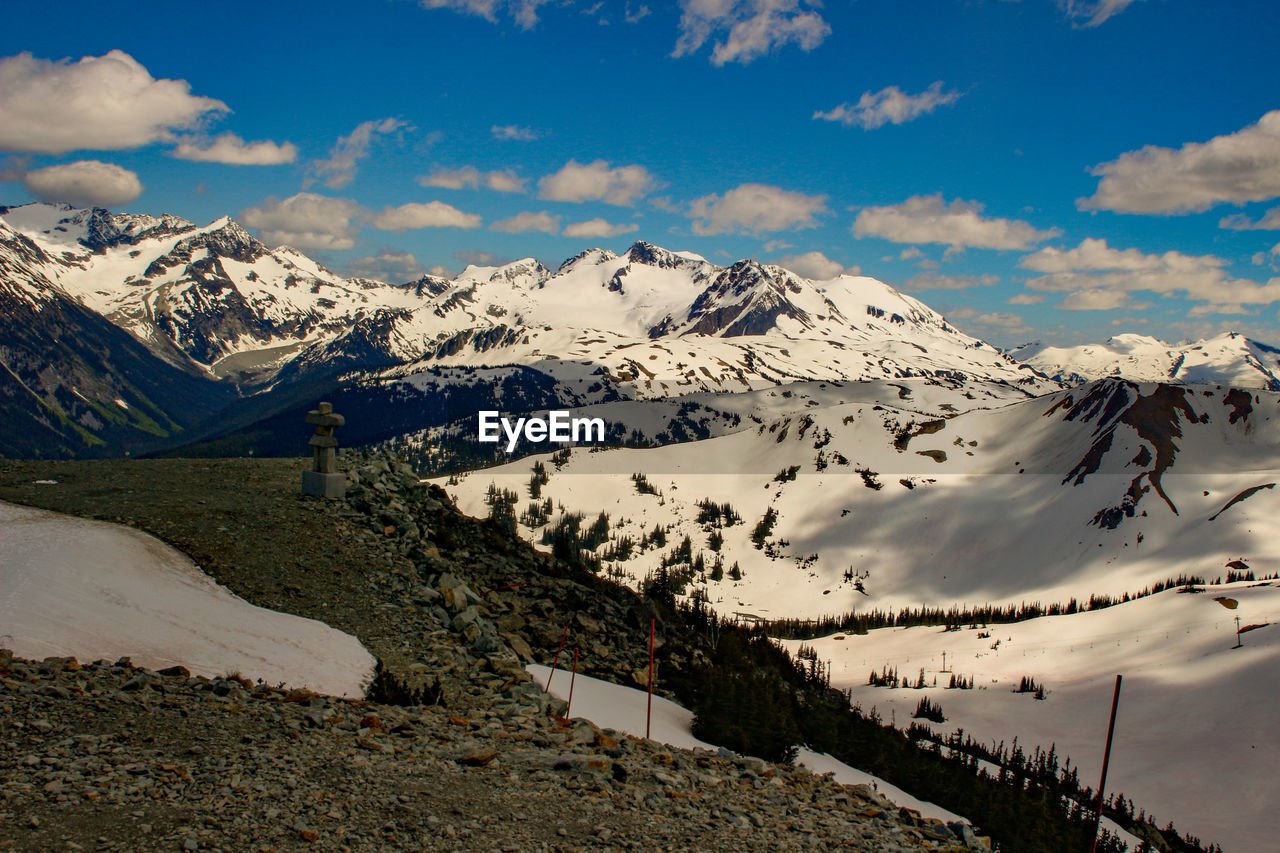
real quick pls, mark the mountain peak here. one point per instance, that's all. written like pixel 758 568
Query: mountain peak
pixel 646 253
pixel 524 270
pixel 590 257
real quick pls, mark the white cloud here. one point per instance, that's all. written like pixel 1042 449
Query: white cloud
pixel 305 221
pixel 890 105
pixel 1092 13
pixel 598 228
pixel 101 102
pixel 910 253
pixel 388 264
pixel 514 132
pixel 84 183
pixel 816 266
pixel 529 221
pixel 755 208
pixel 1271 258
pixel 469 177
pixel 431 214
pixel 1096 299
pixel 1236 167
pixel 937 281
pixel 1269 221
pixel 505 181
pixel 1096 276
pixel 991 323
pixel 1094 254
pixel 1026 299
pixel 638 14
pixel 620 185
pixel 231 149
pixel 523 12
pixel 339 168
pixel 479 259
pixel 927 219
pixel 750 28
pixel 665 204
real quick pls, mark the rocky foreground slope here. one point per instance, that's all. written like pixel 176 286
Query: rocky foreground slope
pixel 105 756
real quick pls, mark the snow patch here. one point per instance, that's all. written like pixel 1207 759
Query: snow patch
pixel 90 590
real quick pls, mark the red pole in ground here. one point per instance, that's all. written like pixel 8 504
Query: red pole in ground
pixel 1106 760
pixel 563 637
pixel 572 679
pixel 648 714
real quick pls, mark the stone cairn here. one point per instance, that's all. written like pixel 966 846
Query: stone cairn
pixel 324 480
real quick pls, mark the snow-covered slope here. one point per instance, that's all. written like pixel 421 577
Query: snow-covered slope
pixel 1193 737
pixel 1229 359
pixel 1104 489
pixel 91 590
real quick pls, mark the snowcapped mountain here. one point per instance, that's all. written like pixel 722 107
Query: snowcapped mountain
pixel 661 323
pixel 651 324
pixel 1229 359
pixel 1102 489
pixel 71 382
pixel 213 297
pixel 656 323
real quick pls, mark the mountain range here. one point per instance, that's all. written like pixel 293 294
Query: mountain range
pixel 129 333
pixel 1228 359
pixel 794 450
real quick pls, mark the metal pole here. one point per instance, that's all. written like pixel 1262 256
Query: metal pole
pixel 648 714
pixel 572 679
pixel 1106 760
pixel 563 637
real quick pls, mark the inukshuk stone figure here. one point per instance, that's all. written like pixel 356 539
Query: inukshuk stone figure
pixel 324 480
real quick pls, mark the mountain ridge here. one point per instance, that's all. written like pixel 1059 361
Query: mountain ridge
pixel 1230 358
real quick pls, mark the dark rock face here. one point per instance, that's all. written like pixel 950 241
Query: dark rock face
pixel 654 256
pixel 746 299
pixel 428 286
pixel 1157 417
pixel 106 230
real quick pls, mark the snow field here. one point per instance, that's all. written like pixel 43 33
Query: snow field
pixel 1193 739
pixel 91 590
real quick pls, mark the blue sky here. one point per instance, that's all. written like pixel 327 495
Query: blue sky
pixel 1035 169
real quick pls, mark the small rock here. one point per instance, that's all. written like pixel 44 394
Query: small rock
pixel 478 757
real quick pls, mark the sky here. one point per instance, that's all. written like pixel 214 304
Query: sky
pixel 1054 170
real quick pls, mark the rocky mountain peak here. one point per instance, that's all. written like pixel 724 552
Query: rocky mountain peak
pixel 428 286
pixel 642 252
pixel 228 239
